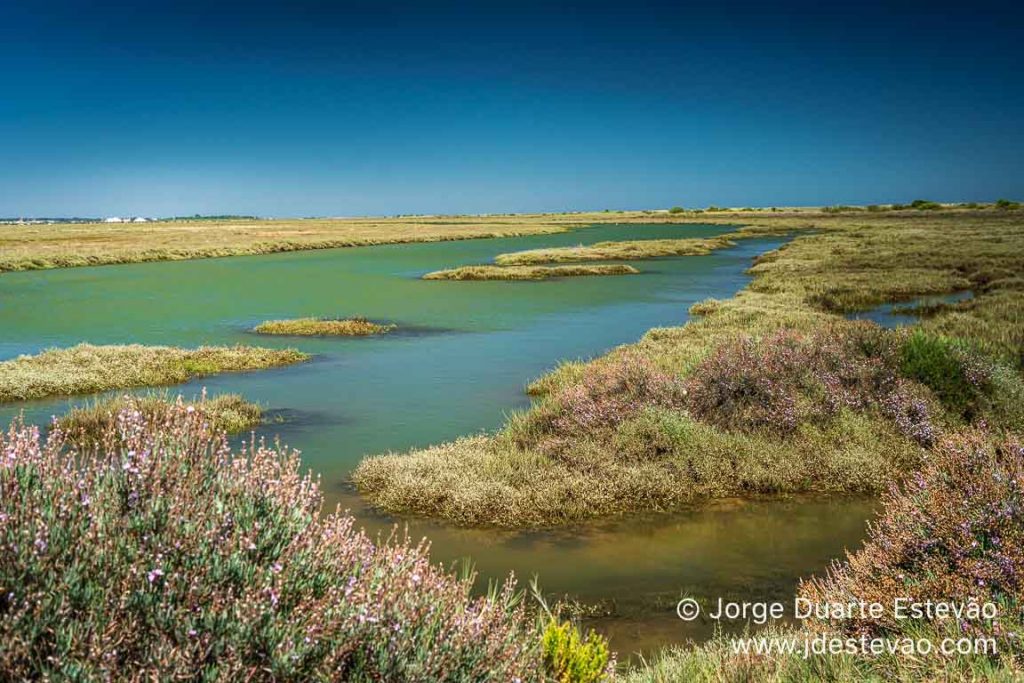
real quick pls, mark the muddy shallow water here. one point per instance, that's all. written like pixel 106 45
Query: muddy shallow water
pixel 459 363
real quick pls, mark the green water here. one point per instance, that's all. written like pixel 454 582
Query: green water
pixel 459 366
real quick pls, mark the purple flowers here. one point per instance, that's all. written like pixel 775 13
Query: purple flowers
pixel 242 536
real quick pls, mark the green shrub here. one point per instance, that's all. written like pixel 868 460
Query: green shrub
pixel 676 209
pixel 925 205
pixel 945 366
pixel 570 658
pixel 1007 204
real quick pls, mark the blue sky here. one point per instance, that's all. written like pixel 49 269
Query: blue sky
pixel 341 108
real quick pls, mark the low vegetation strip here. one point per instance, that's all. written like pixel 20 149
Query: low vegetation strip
pixel 87 425
pixel 528 272
pixel 324 327
pixel 630 250
pixel 86 369
pixel 772 391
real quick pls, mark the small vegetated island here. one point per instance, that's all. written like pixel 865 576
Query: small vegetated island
pixel 88 369
pixel 490 272
pixel 325 327
pixel 630 250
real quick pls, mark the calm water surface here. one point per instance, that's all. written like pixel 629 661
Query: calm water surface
pixel 459 367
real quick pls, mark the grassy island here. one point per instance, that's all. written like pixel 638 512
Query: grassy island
pixel 528 272
pixel 86 369
pixel 629 250
pixel 324 327
pixel 771 392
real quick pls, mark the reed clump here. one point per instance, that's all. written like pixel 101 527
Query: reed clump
pixel 87 368
pixel 324 327
pixel 528 272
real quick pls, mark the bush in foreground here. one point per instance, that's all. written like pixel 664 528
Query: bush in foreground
pixel 952 531
pixel 165 555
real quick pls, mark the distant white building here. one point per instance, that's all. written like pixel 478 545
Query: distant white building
pixel 113 219
pixel 140 219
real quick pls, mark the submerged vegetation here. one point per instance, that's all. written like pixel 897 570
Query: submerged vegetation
pixel 616 251
pixel 312 327
pixel 772 391
pixel 228 413
pixel 528 272
pixel 86 368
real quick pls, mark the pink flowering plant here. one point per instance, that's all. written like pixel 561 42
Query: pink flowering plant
pixel 163 554
pixel 953 531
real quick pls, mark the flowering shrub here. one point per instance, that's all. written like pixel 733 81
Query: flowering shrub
pixel 162 554
pixel 603 398
pixel 954 531
pixel 788 378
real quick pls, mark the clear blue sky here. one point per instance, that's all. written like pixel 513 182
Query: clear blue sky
pixel 344 108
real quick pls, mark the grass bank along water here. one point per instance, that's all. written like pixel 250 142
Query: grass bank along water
pixel 86 369
pixel 769 392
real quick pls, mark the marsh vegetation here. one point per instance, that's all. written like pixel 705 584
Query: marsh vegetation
pixel 88 424
pixel 616 251
pixel 528 272
pixel 87 368
pixel 769 392
pixel 324 327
